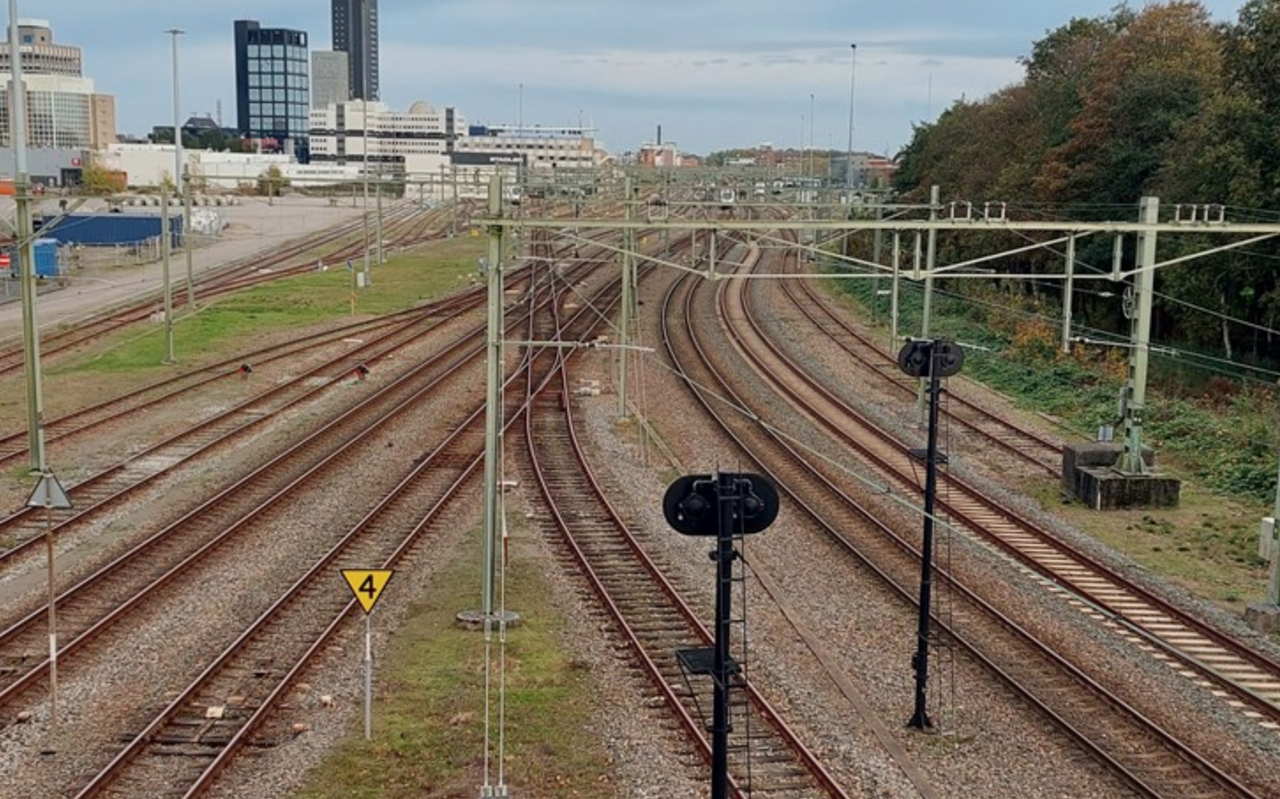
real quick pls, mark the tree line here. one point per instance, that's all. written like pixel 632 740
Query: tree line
pixel 1159 101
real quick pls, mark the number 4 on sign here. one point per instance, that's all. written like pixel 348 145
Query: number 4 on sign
pixel 367 584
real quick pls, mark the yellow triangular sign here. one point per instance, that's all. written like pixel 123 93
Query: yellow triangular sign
pixel 367 584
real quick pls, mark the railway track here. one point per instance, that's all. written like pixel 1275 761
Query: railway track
pixel 190 742
pixel 107 489
pixel 185 747
pixel 105 596
pixel 1144 757
pixel 75 424
pixel 1176 637
pixel 770 760
pixel 63 340
pixel 767 758
pixel 252 270
pixel 969 418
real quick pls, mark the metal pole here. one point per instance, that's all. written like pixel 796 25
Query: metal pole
pixel 382 255
pixel 453 217
pixel 1067 294
pixel 711 254
pixel 368 678
pixel 1275 513
pixel 810 168
pixel 166 246
pixel 848 158
pixel 931 253
pixel 893 296
pixel 1273 583
pixel 877 246
pixel 727 492
pixel 186 237
pixel 53 626
pixel 493 401
pixel 1140 336
pixel 628 276
pixel 26 250
pixel 920 661
pixel 177 126
pixel 364 111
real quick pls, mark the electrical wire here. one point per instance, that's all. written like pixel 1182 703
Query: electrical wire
pixel 1167 349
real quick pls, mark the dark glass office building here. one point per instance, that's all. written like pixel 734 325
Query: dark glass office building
pixel 273 86
pixel 355 32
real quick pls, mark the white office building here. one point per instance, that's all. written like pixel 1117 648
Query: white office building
pixel 59 111
pixel 63 111
pixel 528 153
pixel 537 146
pixel 414 144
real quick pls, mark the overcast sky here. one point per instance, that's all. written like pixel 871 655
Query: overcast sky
pixel 714 73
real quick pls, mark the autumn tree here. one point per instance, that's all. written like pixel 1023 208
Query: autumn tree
pixel 96 179
pixel 1150 78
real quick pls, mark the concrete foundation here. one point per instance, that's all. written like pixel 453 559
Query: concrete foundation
pixel 1088 473
pixel 474 619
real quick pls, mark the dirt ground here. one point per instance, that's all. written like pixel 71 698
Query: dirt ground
pixel 253 226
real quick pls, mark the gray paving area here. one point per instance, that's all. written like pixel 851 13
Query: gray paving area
pixel 107 278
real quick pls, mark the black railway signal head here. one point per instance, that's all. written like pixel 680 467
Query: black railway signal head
pixel 913 358
pixel 691 503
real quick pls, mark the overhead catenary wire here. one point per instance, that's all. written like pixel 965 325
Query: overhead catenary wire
pixel 1169 350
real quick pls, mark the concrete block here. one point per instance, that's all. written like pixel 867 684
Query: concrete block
pixel 1107 489
pixel 215 711
pixel 1093 454
pixel 1263 617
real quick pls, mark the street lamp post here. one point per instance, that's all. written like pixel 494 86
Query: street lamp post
pixel 174 33
pixel 809 170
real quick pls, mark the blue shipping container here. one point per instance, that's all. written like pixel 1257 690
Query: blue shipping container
pixel 109 229
pixel 46 251
pixel 46 257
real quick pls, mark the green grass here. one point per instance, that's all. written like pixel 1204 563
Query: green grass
pixel 1227 441
pixel 234 323
pixel 428 713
